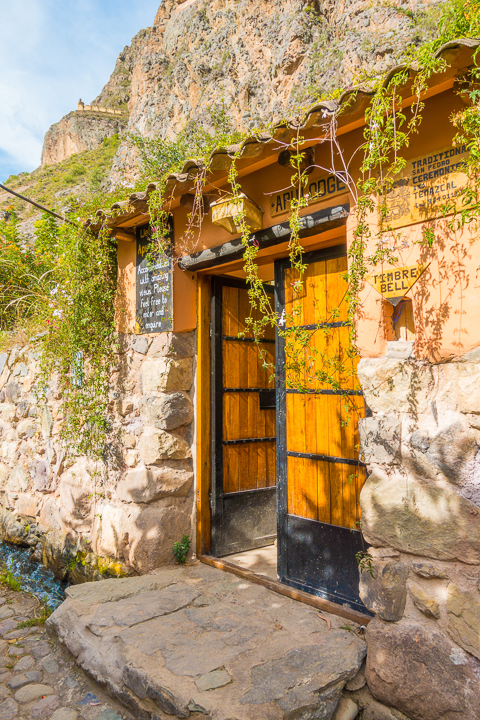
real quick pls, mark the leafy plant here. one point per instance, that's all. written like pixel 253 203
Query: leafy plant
pixel 181 548
pixel 365 562
pixel 8 578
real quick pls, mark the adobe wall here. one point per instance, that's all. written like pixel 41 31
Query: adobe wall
pixel 116 517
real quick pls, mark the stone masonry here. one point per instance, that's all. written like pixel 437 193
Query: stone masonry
pixel 115 517
pixel 421 514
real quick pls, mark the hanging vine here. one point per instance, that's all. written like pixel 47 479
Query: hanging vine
pixel 65 285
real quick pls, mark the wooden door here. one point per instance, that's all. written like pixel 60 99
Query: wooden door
pixel 320 476
pixel 243 426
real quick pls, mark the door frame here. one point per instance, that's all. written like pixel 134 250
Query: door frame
pixel 342 538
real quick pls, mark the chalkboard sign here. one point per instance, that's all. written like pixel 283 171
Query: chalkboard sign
pixel 154 284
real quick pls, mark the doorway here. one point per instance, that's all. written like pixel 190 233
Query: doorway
pixel 243 493
pixel 285 469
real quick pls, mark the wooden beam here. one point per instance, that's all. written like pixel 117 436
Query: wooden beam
pixel 203 430
pixel 281 589
pixel 123 235
pixel 312 224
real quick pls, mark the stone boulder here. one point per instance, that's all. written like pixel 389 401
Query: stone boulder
pixel 422 518
pixel 427 604
pixel 76 495
pixel 168 411
pixel 142 536
pixel 386 592
pixel 180 345
pixel 393 386
pixel 166 375
pixel 194 641
pixel 416 669
pixel 380 439
pixel 157 445
pixel 463 608
pixel 13 530
pixel 13 391
pixel 18 480
pixel 144 485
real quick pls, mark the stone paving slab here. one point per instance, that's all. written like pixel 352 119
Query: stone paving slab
pixel 197 642
pixel 39 678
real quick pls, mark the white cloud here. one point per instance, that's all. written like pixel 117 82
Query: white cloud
pixel 52 53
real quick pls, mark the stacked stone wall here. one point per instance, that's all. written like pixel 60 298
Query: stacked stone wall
pixel 119 516
pixel 421 514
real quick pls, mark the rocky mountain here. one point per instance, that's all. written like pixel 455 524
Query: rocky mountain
pixel 116 92
pixel 260 59
pixel 255 60
pixel 85 129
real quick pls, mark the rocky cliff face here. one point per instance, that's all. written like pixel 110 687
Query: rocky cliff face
pixel 260 59
pixel 116 92
pixel 86 130
pixel 79 131
pixel 256 59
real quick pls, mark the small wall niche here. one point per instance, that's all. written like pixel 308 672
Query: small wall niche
pixel 399 320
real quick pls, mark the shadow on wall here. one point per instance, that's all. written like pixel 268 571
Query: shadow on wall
pixel 421 513
pixel 446 296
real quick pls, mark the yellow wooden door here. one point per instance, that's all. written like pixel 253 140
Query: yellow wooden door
pixel 318 438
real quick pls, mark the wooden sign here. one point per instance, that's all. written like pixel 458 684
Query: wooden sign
pixel 393 283
pixel 426 184
pixel 154 287
pixel 323 187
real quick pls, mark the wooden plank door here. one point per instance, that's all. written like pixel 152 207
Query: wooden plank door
pixel 243 498
pixel 319 473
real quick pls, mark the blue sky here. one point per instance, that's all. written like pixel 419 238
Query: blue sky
pixel 52 53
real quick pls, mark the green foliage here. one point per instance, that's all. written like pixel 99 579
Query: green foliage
pixel 365 562
pixel 79 344
pixel 180 549
pixel 8 578
pixel 25 278
pixel 51 184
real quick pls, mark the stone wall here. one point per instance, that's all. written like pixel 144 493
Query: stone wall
pixel 116 517
pixel 421 514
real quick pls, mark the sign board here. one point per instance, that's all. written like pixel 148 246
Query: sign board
pixel 319 188
pixel 427 183
pixel 154 286
pixel 394 282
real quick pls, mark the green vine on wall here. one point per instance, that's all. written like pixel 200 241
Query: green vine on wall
pixel 64 284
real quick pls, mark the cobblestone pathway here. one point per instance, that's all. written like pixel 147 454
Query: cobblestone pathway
pixel 38 676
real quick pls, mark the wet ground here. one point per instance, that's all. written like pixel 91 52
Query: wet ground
pixel 33 576
pixel 38 676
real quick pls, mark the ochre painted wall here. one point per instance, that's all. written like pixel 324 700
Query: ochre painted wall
pixel 446 299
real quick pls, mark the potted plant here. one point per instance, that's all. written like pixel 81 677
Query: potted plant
pixel 228 211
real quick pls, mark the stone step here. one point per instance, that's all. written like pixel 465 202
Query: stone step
pixel 199 641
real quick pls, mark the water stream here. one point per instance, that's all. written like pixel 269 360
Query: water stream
pixel 34 577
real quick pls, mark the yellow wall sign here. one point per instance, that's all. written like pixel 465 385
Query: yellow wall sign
pixel 321 188
pixel 393 283
pixel 427 183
